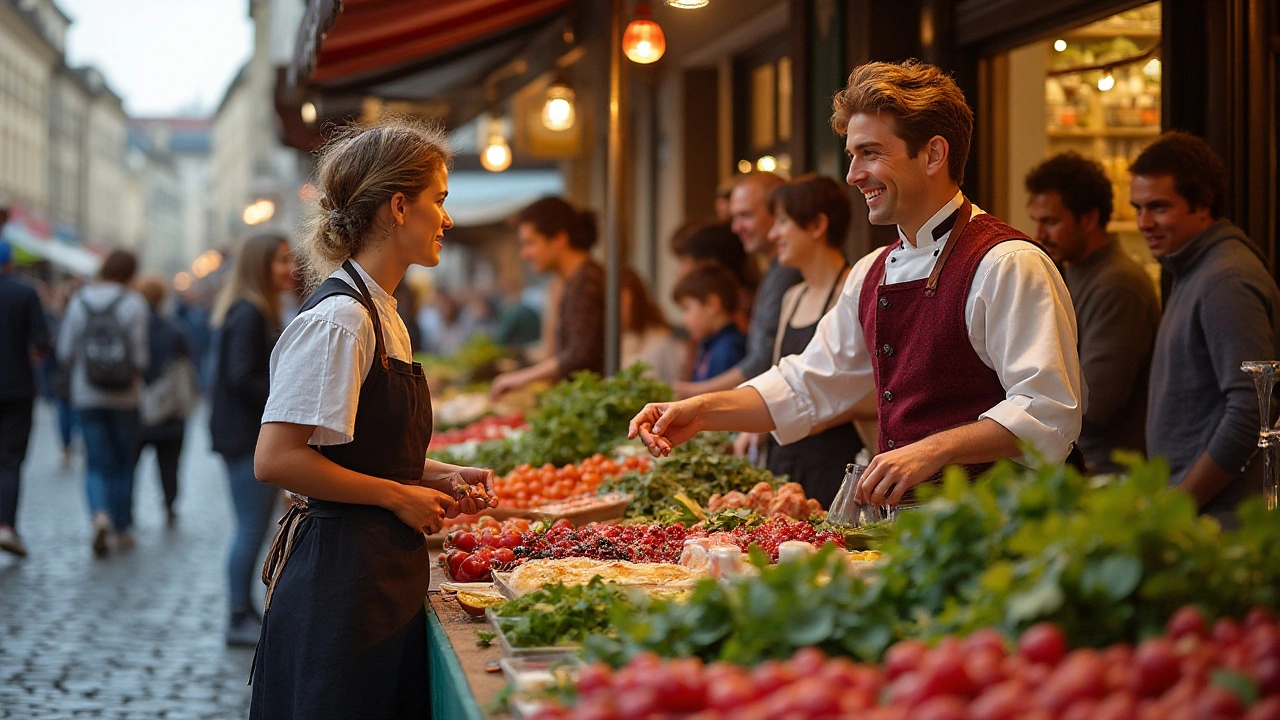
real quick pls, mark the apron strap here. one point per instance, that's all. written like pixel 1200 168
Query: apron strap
pixel 373 311
pixel 962 219
pixel 282 546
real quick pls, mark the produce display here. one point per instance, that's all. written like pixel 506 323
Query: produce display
pixel 787 501
pixel 486 428
pixel 1230 671
pixel 696 473
pixel 560 614
pixel 573 420
pixel 528 487
pixel 535 574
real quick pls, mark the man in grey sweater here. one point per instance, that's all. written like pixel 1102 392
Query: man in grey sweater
pixel 1224 308
pixel 1117 311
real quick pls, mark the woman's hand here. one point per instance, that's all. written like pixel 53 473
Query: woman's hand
pixel 473 489
pixel 422 508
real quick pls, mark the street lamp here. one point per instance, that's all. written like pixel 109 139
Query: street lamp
pixel 643 42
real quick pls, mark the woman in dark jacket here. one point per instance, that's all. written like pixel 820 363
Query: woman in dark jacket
pixel 248 317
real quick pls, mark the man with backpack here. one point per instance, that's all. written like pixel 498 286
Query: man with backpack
pixel 103 339
pixel 23 333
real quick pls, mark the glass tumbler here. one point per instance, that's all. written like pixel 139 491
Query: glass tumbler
pixel 1265 373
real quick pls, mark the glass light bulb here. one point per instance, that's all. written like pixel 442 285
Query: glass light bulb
pixel 1060 45
pixel 1106 82
pixel 497 156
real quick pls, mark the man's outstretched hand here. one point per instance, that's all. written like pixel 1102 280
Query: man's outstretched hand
pixel 662 426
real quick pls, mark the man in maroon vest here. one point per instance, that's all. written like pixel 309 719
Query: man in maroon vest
pixel 962 330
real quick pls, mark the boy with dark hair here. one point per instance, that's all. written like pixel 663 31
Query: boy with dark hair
pixel 708 298
pixel 1224 308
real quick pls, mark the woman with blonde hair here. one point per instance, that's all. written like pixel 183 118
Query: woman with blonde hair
pixel 346 430
pixel 247 316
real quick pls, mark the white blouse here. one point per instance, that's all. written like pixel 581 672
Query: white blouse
pixel 1020 322
pixel 322 358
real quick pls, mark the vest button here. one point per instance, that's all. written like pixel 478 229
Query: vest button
pixel 884 302
pixel 888 396
pixel 888 349
pixel 890 444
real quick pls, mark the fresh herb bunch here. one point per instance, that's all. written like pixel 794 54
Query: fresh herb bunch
pixel 565 614
pixel 573 420
pixel 1108 561
pixel 699 473
pixel 817 601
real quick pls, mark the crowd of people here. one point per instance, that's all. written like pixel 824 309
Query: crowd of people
pixel 962 342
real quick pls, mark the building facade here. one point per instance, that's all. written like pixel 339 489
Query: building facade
pixel 27 59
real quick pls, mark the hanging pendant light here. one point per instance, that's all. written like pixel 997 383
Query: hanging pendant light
pixel 558 113
pixel 643 41
pixel 495 155
pixel 687 4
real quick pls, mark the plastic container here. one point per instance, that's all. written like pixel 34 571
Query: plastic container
pixel 793 550
pixel 726 561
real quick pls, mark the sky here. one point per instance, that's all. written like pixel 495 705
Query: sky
pixel 164 57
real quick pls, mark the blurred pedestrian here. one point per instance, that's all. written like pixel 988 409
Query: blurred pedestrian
pixel 23 333
pixel 55 376
pixel 103 339
pixel 646 334
pixel 247 315
pixel 168 395
pixel 556 237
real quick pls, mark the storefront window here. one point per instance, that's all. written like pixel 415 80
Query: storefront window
pixel 762 109
pixel 1101 88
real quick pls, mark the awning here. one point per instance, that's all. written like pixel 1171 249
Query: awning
pixel 71 258
pixel 458 58
pixel 482 197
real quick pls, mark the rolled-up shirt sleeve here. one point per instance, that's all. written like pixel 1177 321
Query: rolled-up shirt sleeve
pixel 832 375
pixel 1022 325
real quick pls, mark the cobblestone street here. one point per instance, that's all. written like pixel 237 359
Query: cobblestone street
pixel 137 634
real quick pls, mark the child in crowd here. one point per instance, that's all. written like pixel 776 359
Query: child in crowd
pixel 708 298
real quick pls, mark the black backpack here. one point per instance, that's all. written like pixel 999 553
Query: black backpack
pixel 108 361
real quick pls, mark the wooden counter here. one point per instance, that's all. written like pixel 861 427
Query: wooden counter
pixel 461 689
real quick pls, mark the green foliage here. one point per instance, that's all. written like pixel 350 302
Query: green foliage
pixel 697 472
pixel 574 420
pixel 564 614
pixel 1108 560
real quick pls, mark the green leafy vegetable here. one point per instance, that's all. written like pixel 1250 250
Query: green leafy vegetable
pixel 564 614
pixel 697 472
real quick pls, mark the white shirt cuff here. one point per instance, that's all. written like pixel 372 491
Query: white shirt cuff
pixel 1051 444
pixel 792 412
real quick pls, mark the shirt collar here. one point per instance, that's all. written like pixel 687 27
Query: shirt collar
pixel 941 222
pixel 375 290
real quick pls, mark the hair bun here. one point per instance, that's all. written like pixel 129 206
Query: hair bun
pixel 343 223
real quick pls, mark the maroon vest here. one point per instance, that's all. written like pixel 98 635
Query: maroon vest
pixel 928 375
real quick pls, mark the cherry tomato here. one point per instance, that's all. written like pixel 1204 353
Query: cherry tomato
pixel 1043 643
pixel 1157 666
pixel 504 555
pixel 476 567
pixel 464 541
pixel 1187 621
pixel 453 560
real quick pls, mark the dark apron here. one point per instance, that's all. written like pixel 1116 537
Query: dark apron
pixel 816 462
pixel 345 634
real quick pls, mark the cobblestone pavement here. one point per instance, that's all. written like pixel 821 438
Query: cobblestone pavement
pixel 135 635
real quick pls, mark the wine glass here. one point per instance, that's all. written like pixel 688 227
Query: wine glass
pixel 1265 373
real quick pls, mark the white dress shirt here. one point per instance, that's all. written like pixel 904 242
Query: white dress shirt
pixel 1020 322
pixel 322 358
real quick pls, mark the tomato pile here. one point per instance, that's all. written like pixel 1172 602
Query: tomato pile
pixel 528 487
pixel 472 556
pixel 775 531
pixel 490 427
pixel 1231 670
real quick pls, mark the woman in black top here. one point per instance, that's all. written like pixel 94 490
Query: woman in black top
pixel 811 219
pixel 248 316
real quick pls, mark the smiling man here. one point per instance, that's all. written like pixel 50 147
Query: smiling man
pixel 1223 308
pixel 962 329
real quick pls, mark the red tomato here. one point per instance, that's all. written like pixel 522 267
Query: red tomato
pixel 983 639
pixel 941 708
pixel 509 539
pixel 464 541
pixel 593 678
pixel 983 666
pixel 1226 632
pixel 1266 709
pixel 504 556
pixel 1215 702
pixel 1256 618
pixel 729 693
pixel 1043 643
pixel 1157 667
pixel 453 560
pixel 903 657
pixel 1080 677
pixel 476 567
pixel 1005 701
pixel 562 523
pixel 1187 622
